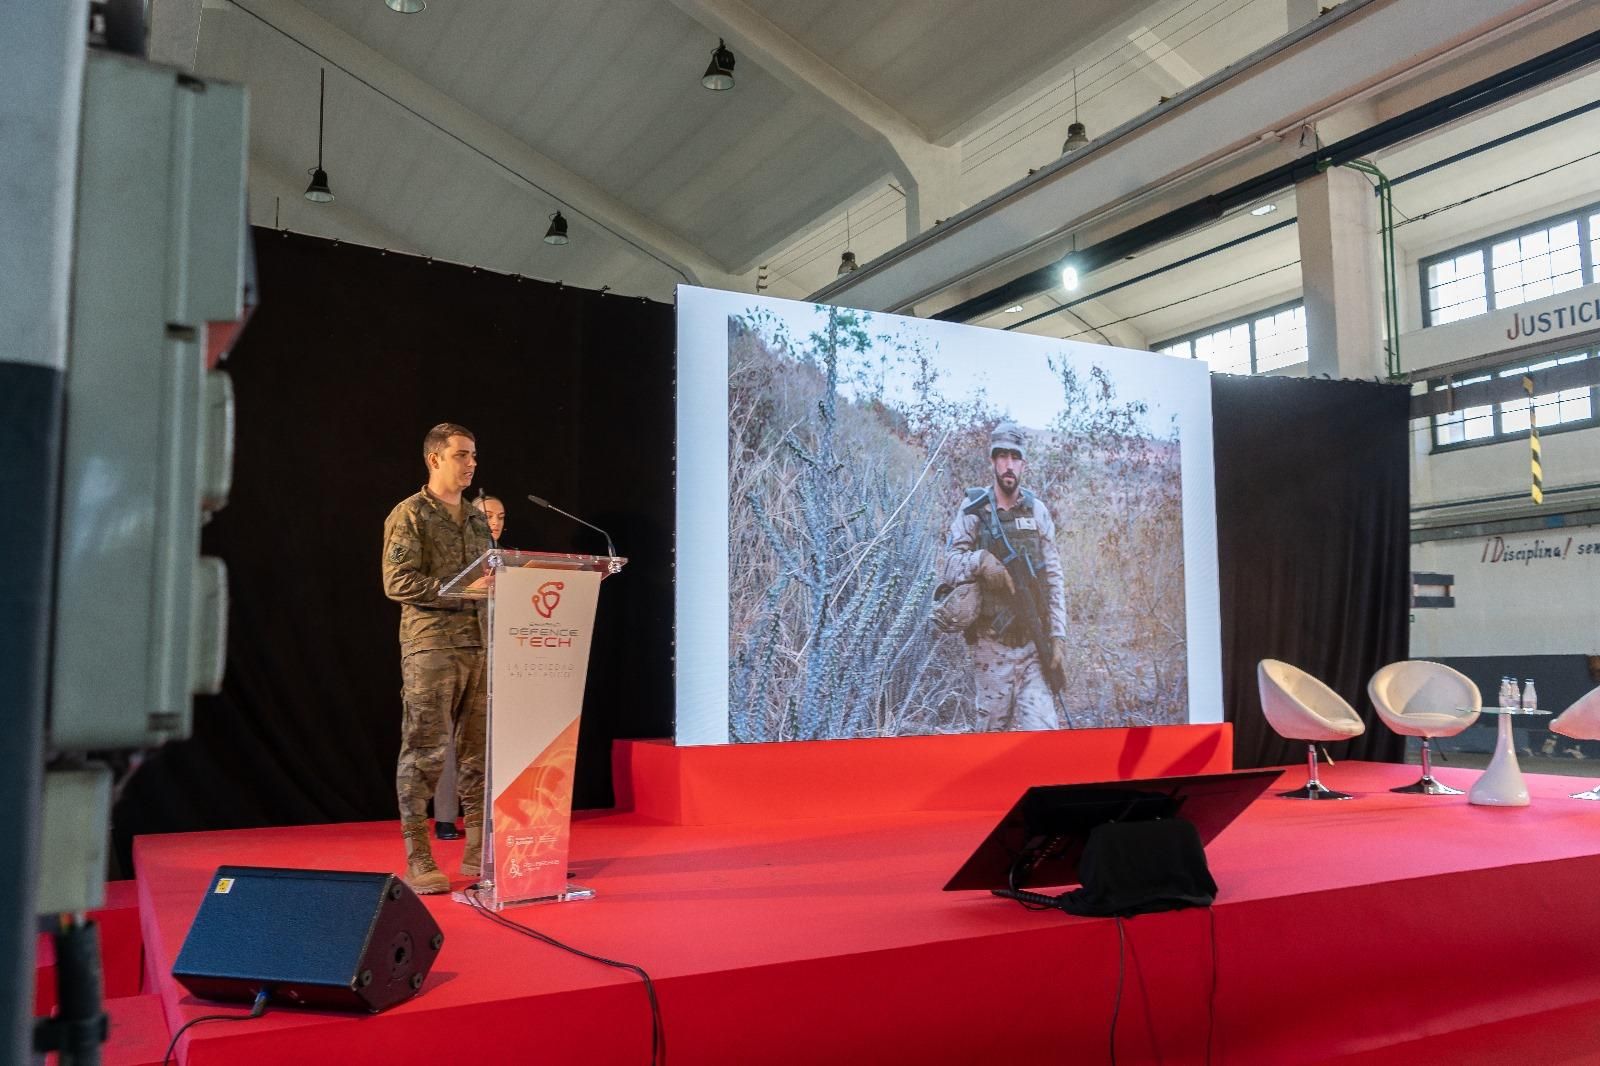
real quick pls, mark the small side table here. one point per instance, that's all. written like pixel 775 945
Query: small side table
pixel 1501 785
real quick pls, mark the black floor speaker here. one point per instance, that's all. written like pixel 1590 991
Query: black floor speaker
pixel 314 938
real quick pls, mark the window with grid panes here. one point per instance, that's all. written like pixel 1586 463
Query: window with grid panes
pixel 1280 339
pixel 1267 340
pixel 1537 264
pixel 1487 423
pixel 1456 288
pixel 1511 268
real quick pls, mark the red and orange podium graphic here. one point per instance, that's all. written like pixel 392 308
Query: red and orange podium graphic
pixel 539 622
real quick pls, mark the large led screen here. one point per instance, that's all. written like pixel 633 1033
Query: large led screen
pixel 892 526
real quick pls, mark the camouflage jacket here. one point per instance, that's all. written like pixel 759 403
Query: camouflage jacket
pixel 964 551
pixel 423 547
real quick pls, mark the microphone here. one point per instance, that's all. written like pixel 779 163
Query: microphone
pixel 611 549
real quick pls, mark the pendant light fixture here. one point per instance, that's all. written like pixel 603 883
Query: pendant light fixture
pixel 406 7
pixel 557 233
pixel 1077 132
pixel 318 192
pixel 847 261
pixel 719 75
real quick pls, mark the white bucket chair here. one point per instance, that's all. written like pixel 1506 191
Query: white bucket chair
pixel 1581 721
pixel 1422 699
pixel 1300 707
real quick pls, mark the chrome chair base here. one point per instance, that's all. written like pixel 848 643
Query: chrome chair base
pixel 1592 794
pixel 1315 790
pixel 1427 786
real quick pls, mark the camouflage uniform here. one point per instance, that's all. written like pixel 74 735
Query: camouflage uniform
pixel 1011 688
pixel 442 660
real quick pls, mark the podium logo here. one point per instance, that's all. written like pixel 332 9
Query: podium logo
pixel 548 598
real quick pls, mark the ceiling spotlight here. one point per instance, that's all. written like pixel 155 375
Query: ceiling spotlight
pixel 1077 132
pixel 719 75
pixel 406 7
pixel 847 263
pixel 1069 277
pixel 1013 309
pixel 318 192
pixel 557 233
pixel 1263 209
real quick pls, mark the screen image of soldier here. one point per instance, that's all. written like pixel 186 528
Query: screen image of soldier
pixel 1002 587
pixel 429 538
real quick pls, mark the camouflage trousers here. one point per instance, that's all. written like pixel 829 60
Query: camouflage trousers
pixel 1012 692
pixel 444 693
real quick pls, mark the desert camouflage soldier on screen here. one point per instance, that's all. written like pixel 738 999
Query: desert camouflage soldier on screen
pixel 1003 544
pixel 429 538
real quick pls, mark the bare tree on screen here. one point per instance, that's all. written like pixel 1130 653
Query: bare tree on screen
pixel 840 498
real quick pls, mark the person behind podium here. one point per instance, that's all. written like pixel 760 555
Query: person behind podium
pixel 429 538
pixel 494 512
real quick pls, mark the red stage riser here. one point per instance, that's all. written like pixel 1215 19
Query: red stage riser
pixel 799 942
pixel 1435 954
pixel 732 783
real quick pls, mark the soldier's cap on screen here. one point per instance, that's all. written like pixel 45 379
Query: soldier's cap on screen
pixel 1007 436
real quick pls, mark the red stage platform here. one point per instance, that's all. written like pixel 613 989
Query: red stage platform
pixel 1341 930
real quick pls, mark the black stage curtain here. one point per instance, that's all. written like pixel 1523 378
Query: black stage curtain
pixel 1313 499
pixel 351 357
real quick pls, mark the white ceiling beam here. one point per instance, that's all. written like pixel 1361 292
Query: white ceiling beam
pixel 1216 134
pixel 1165 65
pixel 575 193
pixel 930 172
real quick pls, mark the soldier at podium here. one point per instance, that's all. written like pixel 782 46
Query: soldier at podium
pixel 446 805
pixel 429 538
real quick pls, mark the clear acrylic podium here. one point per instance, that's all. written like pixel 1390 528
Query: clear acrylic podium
pixel 537 631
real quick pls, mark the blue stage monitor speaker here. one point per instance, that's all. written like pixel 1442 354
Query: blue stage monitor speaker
pixel 313 938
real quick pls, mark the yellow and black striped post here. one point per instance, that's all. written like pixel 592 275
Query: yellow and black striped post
pixel 1537 492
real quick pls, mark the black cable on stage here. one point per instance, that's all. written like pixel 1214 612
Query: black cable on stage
pixel 1116 1005
pixel 257 1009
pixel 658 1029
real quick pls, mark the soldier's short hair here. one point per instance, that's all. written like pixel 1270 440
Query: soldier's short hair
pixel 438 438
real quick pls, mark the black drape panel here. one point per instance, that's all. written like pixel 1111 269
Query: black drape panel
pixel 1313 500
pixel 351 357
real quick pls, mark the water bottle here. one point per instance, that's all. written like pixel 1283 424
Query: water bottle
pixel 1530 698
pixel 1505 693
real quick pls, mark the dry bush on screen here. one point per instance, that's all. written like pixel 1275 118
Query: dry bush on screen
pixel 839 511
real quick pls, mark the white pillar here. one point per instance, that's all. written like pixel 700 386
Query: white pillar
pixel 932 177
pixel 1342 275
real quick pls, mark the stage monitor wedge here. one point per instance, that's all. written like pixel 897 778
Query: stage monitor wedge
pixel 1041 838
pixel 315 938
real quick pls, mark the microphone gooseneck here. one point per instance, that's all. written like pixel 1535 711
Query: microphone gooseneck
pixel 611 549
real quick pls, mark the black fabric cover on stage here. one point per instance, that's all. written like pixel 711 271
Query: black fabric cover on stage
pixel 355 353
pixel 351 357
pixel 1313 554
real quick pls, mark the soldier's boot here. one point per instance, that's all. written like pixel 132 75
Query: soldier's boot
pixel 472 857
pixel 422 873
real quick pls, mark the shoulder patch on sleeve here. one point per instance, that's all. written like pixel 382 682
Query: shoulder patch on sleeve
pixel 397 553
